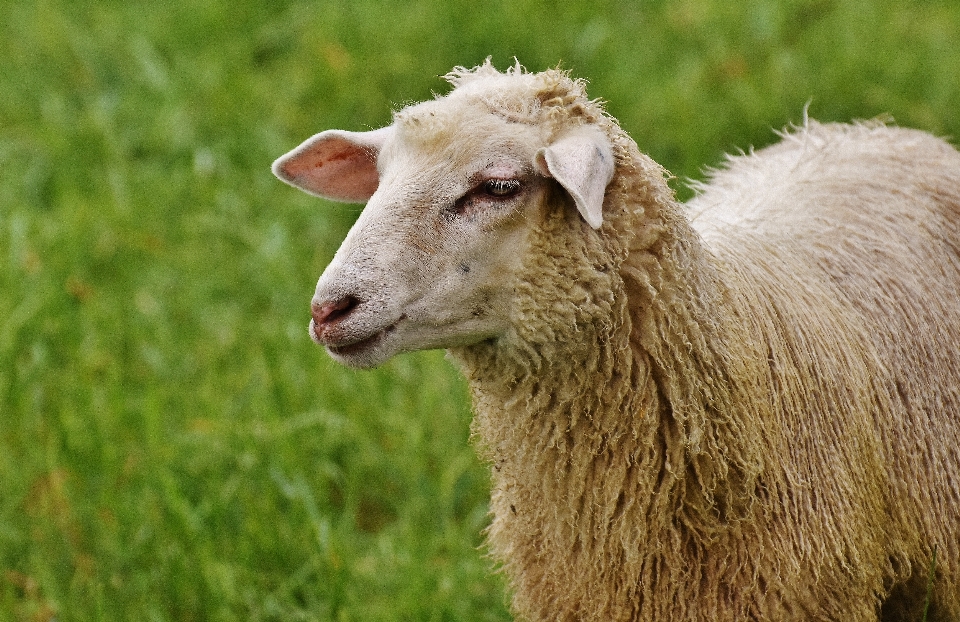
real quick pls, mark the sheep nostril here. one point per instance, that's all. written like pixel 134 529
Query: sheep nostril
pixel 326 313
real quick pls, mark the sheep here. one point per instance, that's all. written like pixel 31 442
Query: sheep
pixel 746 407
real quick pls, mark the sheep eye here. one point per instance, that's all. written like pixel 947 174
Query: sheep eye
pixel 501 188
pixel 489 191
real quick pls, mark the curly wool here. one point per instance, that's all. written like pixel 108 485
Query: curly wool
pixel 750 420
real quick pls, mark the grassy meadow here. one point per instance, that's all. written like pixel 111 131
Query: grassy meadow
pixel 172 445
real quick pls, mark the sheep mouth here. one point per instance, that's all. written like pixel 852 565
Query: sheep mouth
pixel 358 346
pixel 353 348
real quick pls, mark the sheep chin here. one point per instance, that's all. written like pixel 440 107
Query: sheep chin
pixel 363 354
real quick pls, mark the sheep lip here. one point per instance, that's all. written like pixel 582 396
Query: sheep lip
pixel 348 347
pixel 357 346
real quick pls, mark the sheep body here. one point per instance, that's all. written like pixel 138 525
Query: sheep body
pixel 747 407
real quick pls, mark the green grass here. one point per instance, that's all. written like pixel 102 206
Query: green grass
pixel 172 445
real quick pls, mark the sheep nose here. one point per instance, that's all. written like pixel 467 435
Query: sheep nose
pixel 325 314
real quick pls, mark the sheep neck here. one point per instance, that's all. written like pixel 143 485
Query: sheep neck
pixel 607 423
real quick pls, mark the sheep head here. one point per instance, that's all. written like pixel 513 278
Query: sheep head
pixel 453 188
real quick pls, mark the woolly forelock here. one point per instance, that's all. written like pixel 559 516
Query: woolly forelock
pixel 686 432
pixel 549 99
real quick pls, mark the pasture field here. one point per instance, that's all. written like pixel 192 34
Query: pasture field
pixel 173 447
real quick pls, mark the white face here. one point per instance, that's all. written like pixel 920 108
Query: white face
pixel 432 259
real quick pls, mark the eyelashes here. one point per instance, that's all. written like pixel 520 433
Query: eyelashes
pixel 501 188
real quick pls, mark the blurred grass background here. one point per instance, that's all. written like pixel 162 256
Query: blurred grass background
pixel 172 445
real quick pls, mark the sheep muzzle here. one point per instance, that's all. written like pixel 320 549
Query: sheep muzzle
pixel 329 313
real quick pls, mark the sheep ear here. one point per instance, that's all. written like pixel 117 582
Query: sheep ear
pixel 582 162
pixel 335 164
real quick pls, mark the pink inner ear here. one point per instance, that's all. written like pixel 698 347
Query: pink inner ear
pixel 347 173
pixel 335 165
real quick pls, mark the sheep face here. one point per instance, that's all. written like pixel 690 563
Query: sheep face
pixel 430 261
